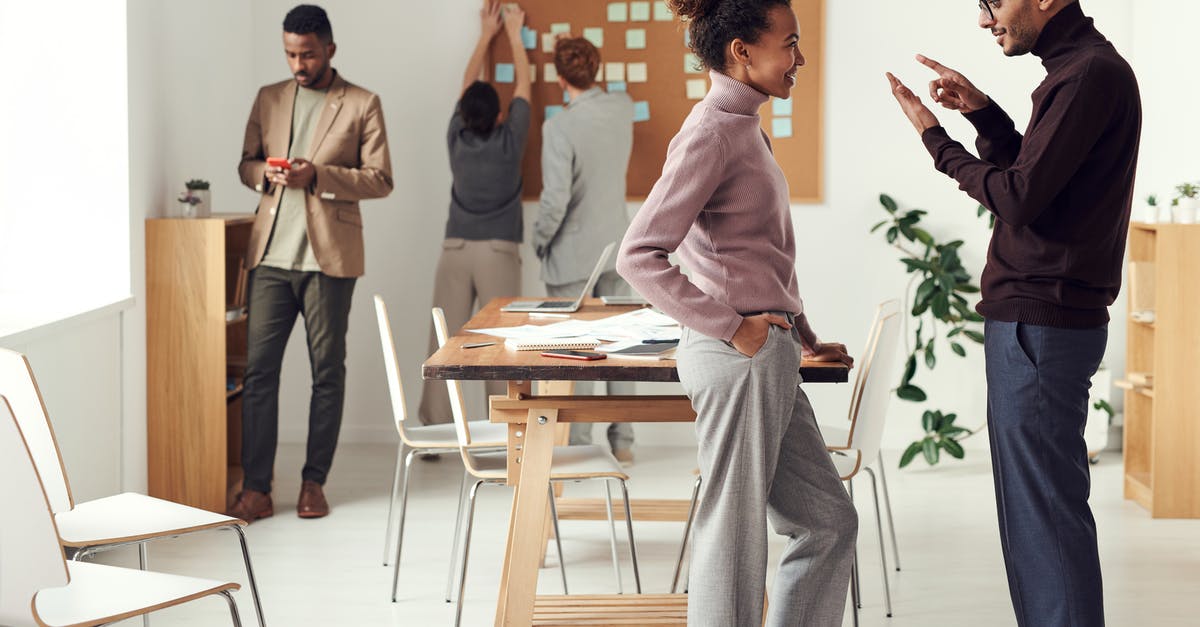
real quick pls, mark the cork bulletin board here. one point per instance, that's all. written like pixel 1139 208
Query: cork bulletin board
pixel 643 50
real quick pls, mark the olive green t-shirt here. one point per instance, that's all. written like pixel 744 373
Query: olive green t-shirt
pixel 289 247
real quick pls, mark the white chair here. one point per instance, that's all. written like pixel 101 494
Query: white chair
pixel 39 588
pixel 110 522
pixel 868 410
pixel 838 435
pixel 570 463
pixel 438 438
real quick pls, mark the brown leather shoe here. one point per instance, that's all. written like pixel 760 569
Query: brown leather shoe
pixel 252 505
pixel 312 503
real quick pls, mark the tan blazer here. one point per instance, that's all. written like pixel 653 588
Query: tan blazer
pixel 349 150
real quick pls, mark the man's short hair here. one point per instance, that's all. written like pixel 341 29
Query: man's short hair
pixel 577 60
pixel 309 18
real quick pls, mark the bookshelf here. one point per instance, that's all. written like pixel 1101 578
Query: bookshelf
pixel 1162 384
pixel 195 357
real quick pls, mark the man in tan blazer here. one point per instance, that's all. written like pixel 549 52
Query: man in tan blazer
pixel 306 248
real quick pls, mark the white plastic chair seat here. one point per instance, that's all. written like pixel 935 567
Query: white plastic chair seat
pixel 484 434
pixel 585 461
pixel 130 517
pixel 835 435
pixel 847 465
pixel 101 594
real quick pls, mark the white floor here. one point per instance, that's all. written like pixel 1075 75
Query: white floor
pixel 330 572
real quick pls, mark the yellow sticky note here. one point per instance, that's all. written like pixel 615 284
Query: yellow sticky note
pixel 696 88
pixel 594 35
pixel 635 39
pixel 617 12
pixel 614 71
pixel 639 11
pixel 636 72
pixel 549 73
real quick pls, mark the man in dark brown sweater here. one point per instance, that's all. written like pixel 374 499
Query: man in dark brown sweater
pixel 1061 195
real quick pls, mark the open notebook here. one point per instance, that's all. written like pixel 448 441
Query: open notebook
pixel 550 344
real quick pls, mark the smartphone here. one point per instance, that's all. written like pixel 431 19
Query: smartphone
pixel 583 355
pixel 279 162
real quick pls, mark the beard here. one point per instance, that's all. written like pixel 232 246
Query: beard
pixel 1022 36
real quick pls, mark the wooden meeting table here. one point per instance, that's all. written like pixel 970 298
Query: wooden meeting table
pixel 532 436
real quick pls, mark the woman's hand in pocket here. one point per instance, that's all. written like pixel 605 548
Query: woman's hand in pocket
pixel 831 351
pixel 751 335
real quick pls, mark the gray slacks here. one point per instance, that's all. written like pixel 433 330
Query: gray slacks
pixel 468 272
pixel 762 458
pixel 620 434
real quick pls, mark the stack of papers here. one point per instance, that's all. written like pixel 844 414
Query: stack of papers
pixel 634 327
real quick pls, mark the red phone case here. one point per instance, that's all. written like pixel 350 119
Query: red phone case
pixel 279 162
pixel 565 355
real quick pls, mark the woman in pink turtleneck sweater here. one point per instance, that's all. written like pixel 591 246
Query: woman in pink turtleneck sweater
pixel 722 204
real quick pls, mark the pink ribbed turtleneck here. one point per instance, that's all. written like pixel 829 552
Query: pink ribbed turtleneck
pixel 722 203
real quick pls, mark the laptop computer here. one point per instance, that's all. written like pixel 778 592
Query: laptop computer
pixel 565 306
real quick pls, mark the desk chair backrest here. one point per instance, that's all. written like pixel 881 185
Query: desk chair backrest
pixel 19 385
pixel 461 428
pixel 877 376
pixel 31 557
pixel 884 308
pixel 391 367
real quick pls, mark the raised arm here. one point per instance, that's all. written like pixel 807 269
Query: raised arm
pixel 489 25
pixel 514 19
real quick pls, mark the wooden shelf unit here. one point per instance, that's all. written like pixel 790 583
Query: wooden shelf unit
pixel 1162 424
pixel 194 274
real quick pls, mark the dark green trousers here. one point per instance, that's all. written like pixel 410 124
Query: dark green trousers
pixel 276 298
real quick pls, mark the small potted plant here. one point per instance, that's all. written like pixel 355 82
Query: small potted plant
pixel 196 202
pixel 1186 202
pixel 1150 213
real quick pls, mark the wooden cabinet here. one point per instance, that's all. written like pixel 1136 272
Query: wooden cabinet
pixel 195 357
pixel 1162 399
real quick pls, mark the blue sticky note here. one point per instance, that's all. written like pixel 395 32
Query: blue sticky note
pixel 641 111
pixel 781 108
pixel 781 127
pixel 504 72
pixel 617 86
pixel 553 110
pixel 529 37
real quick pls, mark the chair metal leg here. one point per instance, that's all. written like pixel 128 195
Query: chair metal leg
pixel 887 592
pixel 233 609
pixel 855 601
pixel 400 529
pixel 462 578
pixel 612 536
pixel 887 501
pixel 637 577
pixel 687 532
pixel 562 565
pixel 241 533
pixel 387 534
pixel 462 500
pixel 143 562
pixel 857 588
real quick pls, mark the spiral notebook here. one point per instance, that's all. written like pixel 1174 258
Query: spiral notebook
pixel 549 344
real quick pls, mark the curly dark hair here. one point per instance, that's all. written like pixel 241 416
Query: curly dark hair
pixel 479 107
pixel 309 18
pixel 712 24
pixel 576 60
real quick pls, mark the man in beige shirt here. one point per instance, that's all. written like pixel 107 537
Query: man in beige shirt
pixel 306 248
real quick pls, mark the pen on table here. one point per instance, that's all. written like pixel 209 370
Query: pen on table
pixel 548 315
pixel 478 344
pixel 660 341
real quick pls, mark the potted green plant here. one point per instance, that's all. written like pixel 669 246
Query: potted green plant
pixel 1150 213
pixel 196 201
pixel 1186 202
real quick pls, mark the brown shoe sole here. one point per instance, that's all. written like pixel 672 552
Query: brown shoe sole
pixel 266 513
pixel 311 514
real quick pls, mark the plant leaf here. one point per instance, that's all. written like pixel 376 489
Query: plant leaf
pixel 927 421
pixel 910 369
pixel 953 448
pixel 958 349
pixel 974 335
pixel 966 288
pixel 910 392
pixel 930 449
pixel 930 358
pixel 924 236
pixel 888 203
pixel 910 453
pixel 892 234
pixel 878 224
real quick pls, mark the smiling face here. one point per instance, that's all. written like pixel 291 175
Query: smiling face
pixel 1016 26
pixel 308 59
pixel 775 57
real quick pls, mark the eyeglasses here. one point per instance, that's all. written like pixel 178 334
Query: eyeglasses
pixel 988 5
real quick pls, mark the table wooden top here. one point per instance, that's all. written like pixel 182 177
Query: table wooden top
pixel 499 363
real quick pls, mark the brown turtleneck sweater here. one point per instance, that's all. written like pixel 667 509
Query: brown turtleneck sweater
pixel 1062 192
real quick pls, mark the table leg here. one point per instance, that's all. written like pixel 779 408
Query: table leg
pixel 526 525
